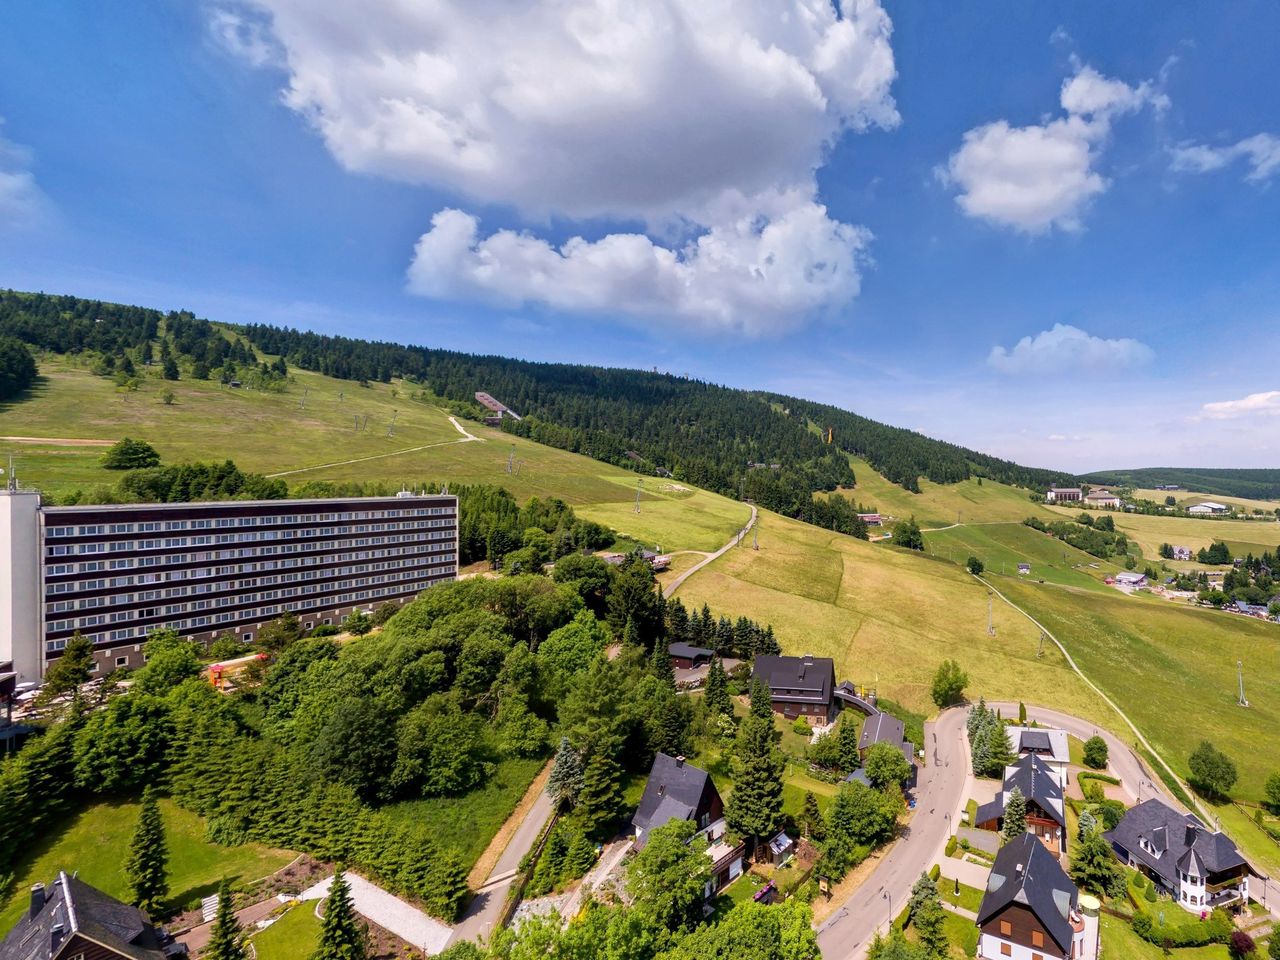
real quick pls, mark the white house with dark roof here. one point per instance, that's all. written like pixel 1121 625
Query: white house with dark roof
pixel 1047 743
pixel 1031 909
pixel 1209 508
pixel 1058 494
pixel 1200 868
pixel 1042 790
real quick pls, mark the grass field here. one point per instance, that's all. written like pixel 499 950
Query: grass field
pixel 887 617
pixel 94 842
pixel 272 433
pixel 1002 546
pixel 1173 669
pixel 467 823
pixel 1148 532
pixel 1185 499
pixel 1119 940
pixel 292 937
pixel 938 505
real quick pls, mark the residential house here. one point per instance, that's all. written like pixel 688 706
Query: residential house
pixel 685 656
pixel 1131 579
pixel 882 728
pixel 70 920
pixel 1031 909
pixel 1058 494
pixel 1200 868
pixel 1047 743
pixel 677 790
pixel 1102 498
pixel 871 519
pixel 799 686
pixel 1183 553
pixel 1046 815
pixel 1209 508
pixel 1024 569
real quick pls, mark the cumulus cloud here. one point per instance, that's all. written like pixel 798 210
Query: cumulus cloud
pixel 1260 152
pixel 1068 349
pixel 686 117
pixel 1038 177
pixel 752 276
pixel 244 34
pixel 21 200
pixel 1265 404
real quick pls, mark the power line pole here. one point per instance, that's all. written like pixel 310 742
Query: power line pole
pixel 639 485
pixel 1240 677
pixel 991 627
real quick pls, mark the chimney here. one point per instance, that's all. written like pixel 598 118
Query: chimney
pixel 1191 834
pixel 679 762
pixel 1019 869
pixel 37 900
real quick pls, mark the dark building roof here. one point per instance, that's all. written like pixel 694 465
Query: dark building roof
pixel 676 790
pixel 682 649
pixel 1035 740
pixel 1028 874
pixel 1176 839
pixel 881 728
pixel 1033 777
pixel 797 679
pixel 69 908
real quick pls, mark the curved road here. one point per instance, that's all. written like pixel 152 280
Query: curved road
pixel 674 585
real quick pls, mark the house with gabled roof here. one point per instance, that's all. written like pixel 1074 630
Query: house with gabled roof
pixel 1048 743
pixel 1031 908
pixel 1198 867
pixel 1040 787
pixel 799 686
pixel 70 920
pixel 677 790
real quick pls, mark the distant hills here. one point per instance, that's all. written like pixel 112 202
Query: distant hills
pixel 1253 484
pixel 775 449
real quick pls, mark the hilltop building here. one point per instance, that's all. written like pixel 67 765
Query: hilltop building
pixel 116 573
pixel 70 920
pixel 1058 494
pixel 1102 498
pixel 799 686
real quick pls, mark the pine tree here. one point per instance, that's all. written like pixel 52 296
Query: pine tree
pixel 565 780
pixel 755 806
pixel 148 859
pixel 580 856
pixel 600 800
pixel 815 827
pixel 660 663
pixel 342 935
pixel 1087 825
pixel 226 942
pixel 1015 815
pixel 717 690
pixel 847 743
pixel 761 702
pixel 630 634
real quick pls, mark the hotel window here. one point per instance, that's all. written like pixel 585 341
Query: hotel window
pixel 122 661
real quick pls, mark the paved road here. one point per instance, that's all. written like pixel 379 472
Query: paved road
pixel 940 797
pixel 389 912
pixel 674 585
pixel 482 913
pixel 1122 762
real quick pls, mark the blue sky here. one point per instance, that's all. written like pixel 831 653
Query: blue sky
pixel 1045 230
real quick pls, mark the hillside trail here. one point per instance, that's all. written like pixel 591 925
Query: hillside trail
pixel 466 438
pixel 674 585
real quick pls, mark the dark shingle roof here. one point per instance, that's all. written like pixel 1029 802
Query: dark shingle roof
pixel 1177 836
pixel 797 679
pixel 1027 873
pixel 1036 740
pixel 673 792
pixel 72 907
pixel 1033 777
pixel 682 649
pixel 881 728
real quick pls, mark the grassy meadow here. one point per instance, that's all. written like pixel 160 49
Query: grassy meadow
pixel 1185 499
pixel 887 617
pixel 939 505
pixel 95 840
pixel 1002 546
pixel 1149 531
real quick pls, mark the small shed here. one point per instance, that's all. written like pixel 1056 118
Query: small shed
pixel 780 848
pixel 1024 569
pixel 685 656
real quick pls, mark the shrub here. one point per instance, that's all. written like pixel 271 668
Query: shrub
pixel 952 843
pixel 935 872
pixel 1095 752
pixel 1241 944
pixel 801 726
pixel 326 630
pixel 129 454
pixel 1149 894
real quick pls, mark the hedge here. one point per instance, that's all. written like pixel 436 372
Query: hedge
pixel 1105 778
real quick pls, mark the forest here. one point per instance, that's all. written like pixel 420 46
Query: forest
pixel 1260 484
pixel 17 367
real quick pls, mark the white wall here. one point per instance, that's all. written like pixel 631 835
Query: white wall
pixel 20 596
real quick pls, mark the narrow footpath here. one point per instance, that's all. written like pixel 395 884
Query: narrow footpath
pixel 737 538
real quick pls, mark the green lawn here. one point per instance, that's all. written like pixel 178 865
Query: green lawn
pixel 467 823
pixel 1148 531
pixel 970 898
pixel 1002 546
pixel 292 937
pixel 963 934
pixel 1119 940
pixel 95 842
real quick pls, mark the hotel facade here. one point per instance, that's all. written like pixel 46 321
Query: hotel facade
pixel 118 572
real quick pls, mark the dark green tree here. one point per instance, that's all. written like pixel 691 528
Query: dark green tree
pixel 949 682
pixel 886 766
pixel 342 934
pixel 1095 868
pixel 146 867
pixel 127 454
pixel 69 670
pixel 226 941
pixel 847 741
pixel 667 877
pixel 565 780
pixel 811 819
pixel 906 534
pixel 600 799
pixel 1015 815
pixel 755 806
pixel 716 694
pixel 1095 752
pixel 1212 772
pixel 1271 793
pixel 974 566
pixel 761 702
pixel 660 664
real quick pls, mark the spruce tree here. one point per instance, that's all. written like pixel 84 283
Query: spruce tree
pixel 660 663
pixel 1087 825
pixel 755 806
pixel 815 827
pixel 761 702
pixel 342 935
pixel 600 799
pixel 717 690
pixel 148 858
pixel 226 942
pixel 1015 815
pixel 630 634
pixel 565 780
pixel 847 743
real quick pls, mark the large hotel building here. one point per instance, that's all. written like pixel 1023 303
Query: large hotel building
pixel 116 573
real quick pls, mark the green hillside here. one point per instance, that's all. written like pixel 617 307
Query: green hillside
pixel 1256 484
pixel 1001 546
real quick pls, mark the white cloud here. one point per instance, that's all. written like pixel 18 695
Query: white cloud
pixel 1038 177
pixel 685 116
pixel 1266 404
pixel 21 200
pixel 245 35
pixel 1068 349
pixel 752 276
pixel 1261 152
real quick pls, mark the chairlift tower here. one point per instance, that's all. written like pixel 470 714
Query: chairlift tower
pixel 991 627
pixel 755 537
pixel 305 391
pixel 1240 678
pixel 639 487
pixel 511 458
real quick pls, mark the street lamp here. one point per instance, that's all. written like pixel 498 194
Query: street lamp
pixel 889 900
